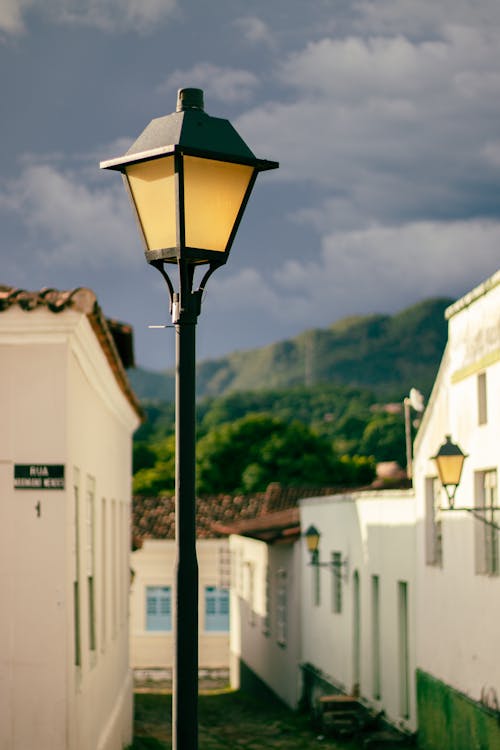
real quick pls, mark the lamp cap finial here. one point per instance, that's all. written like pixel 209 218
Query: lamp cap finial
pixel 190 99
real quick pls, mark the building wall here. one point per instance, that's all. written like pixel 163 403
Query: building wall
pixel 361 641
pixel 265 616
pixel 61 405
pixel 458 606
pixel 153 566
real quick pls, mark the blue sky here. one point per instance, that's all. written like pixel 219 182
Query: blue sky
pixel 384 116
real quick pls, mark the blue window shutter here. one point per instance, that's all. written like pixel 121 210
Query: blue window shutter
pixel 216 609
pixel 158 608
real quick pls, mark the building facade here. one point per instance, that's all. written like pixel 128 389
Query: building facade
pixel 358 606
pixel 458 599
pixel 68 416
pixel 152 595
pixel 265 605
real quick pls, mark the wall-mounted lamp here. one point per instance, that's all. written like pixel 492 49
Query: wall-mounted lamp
pixel 450 461
pixel 312 537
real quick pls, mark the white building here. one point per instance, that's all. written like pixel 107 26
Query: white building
pixel 458 564
pixel 265 605
pixel 152 592
pixel 68 416
pixel 358 607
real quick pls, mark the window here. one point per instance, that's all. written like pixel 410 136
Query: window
pixel 433 524
pixel 250 591
pixel 90 538
pixel 104 578
pixel 224 559
pixel 76 566
pixel 216 609
pixel 376 681
pixel 482 401
pixel 281 608
pixel 404 656
pixel 316 574
pixel 337 582
pixel 486 535
pixel 114 584
pixel 158 608
pixel 266 620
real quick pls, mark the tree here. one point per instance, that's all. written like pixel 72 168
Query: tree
pixel 158 478
pixel 384 438
pixel 247 455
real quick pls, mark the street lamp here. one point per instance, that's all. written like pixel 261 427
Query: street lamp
pixel 189 177
pixel 449 461
pixel 312 537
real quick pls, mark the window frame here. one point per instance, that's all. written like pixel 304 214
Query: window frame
pixel 217 621
pixel 163 597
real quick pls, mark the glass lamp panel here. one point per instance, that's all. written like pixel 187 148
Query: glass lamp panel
pixel 153 187
pixel 312 539
pixel 450 468
pixel 213 194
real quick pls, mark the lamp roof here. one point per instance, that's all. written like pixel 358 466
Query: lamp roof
pixel 449 448
pixel 189 129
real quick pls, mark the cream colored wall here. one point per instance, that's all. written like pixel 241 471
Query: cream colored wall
pixel 256 639
pixel 375 532
pixel 61 404
pixel 457 609
pixel 153 565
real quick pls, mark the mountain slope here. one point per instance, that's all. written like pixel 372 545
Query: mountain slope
pixel 388 354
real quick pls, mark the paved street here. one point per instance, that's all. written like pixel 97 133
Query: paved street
pixel 228 720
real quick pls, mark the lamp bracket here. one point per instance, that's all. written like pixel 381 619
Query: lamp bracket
pixel 476 512
pixel 333 565
pixel 185 304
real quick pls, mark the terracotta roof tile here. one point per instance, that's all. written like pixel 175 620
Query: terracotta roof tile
pixel 114 338
pixel 219 515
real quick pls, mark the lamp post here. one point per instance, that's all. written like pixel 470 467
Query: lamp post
pixel 189 177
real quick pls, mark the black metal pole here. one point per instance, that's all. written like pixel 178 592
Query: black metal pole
pixel 186 307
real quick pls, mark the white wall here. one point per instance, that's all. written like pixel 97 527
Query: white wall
pixel 60 404
pixel 375 533
pixel 153 565
pixel 457 609
pixel 265 627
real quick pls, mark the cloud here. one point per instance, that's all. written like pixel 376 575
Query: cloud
pixel 114 15
pixel 408 262
pixel 392 130
pixel 79 225
pixel 423 17
pixel 218 83
pixel 255 31
pixel 11 16
pixel 378 269
pixel 105 15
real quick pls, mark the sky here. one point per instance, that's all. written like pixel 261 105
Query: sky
pixel 383 114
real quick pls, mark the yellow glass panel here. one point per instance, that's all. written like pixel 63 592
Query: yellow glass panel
pixel 213 194
pixel 450 468
pixel 152 184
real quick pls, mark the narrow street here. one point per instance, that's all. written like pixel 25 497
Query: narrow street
pixel 230 719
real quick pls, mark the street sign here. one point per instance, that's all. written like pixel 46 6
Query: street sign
pixel 38 476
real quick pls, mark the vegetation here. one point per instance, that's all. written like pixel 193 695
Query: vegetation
pixel 327 435
pixel 285 429
pixel 230 719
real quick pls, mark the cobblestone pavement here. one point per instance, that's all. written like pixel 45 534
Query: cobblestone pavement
pixel 231 719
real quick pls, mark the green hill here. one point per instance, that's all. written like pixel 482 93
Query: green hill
pixel 387 354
